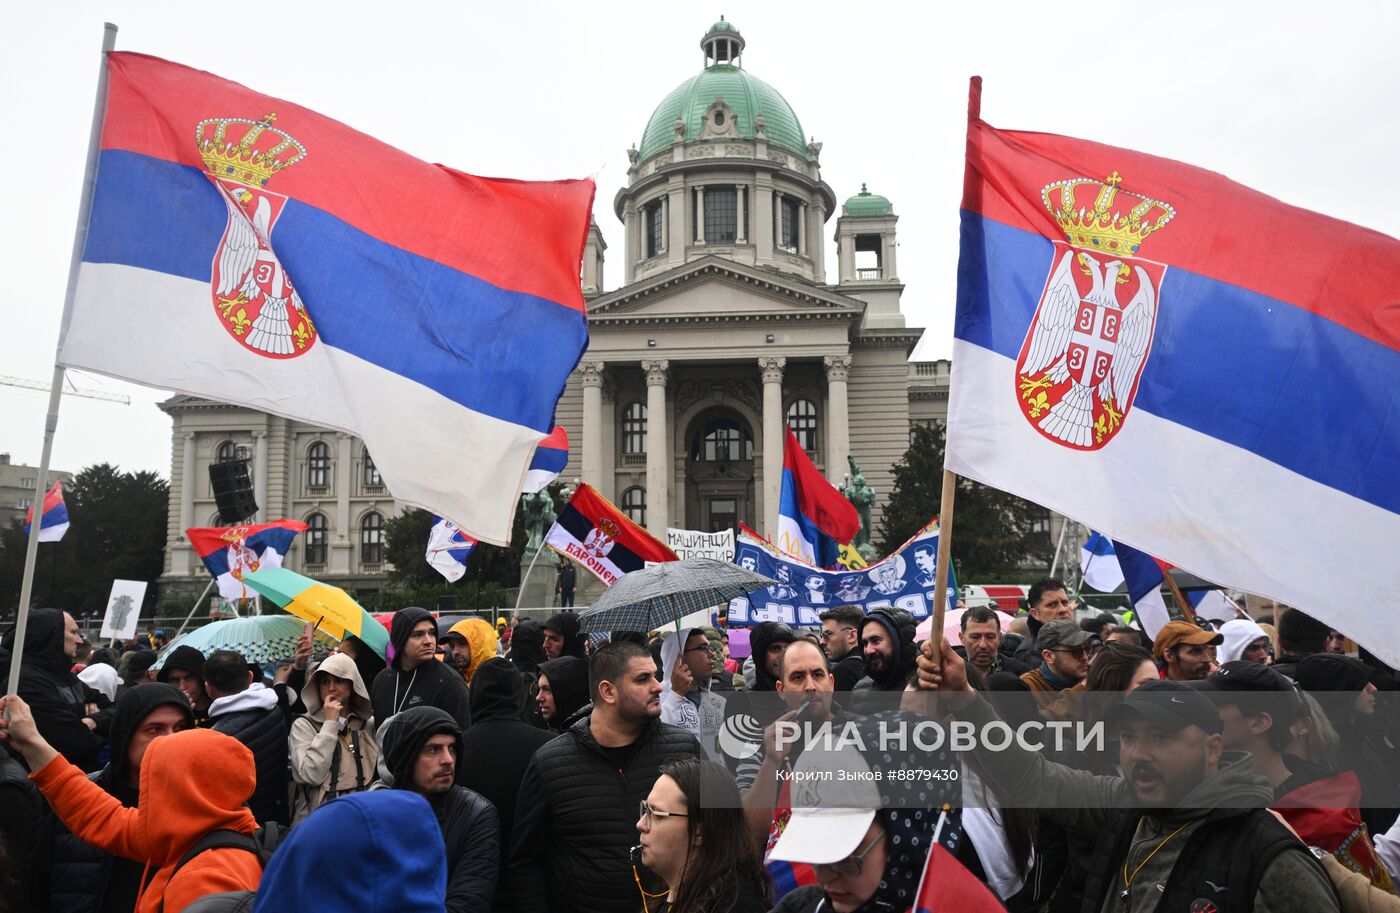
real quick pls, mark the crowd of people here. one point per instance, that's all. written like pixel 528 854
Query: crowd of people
pixel 526 768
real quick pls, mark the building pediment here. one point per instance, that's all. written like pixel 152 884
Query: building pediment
pixel 714 288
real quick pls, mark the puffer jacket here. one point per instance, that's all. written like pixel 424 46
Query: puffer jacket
pixel 255 718
pixel 330 759
pixel 55 695
pixel 576 820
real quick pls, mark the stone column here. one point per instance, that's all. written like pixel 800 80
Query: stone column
pixel 260 474
pixel 777 226
pixel 838 436
pixel 802 229
pixel 630 245
pixel 741 217
pixel 592 373
pixel 675 220
pixel 343 543
pixel 182 556
pixel 763 218
pixel 658 475
pixel 664 214
pixel 819 242
pixel 699 231
pixel 772 369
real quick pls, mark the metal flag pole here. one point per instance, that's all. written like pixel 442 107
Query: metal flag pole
pixel 31 554
pixel 194 608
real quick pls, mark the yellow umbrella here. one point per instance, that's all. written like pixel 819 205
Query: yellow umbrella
pixel 328 607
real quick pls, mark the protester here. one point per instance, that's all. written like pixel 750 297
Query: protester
pixel 887 642
pixel 1299 635
pixel 24 826
pixel 1188 817
pixel 527 648
pixel 562 636
pixel 1064 662
pixel 1185 652
pixel 471 642
pixel 1046 601
pixel 980 629
pixel 192 783
pixel 251 714
pixel 101 677
pixel 83 877
pixel 59 701
pixel 692 834
pixel 1243 639
pixel 562 699
pixel 841 643
pixel 344 860
pixel 420 752
pixel 134 668
pixel 686 670
pixel 1120 668
pixel 1126 634
pixel 184 668
pixel 496 751
pixel 417 677
pixel 332 745
pixel 576 815
pixel 767 639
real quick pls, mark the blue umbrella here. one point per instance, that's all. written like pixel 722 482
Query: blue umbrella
pixel 259 638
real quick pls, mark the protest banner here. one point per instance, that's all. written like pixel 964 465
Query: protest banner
pixel 123 609
pixel 691 543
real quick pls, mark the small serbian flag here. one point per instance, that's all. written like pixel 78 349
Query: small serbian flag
pixel 448 548
pixel 551 456
pixel 947 885
pixel 1144 576
pixel 814 519
pixel 230 552
pixel 53 523
pixel 599 538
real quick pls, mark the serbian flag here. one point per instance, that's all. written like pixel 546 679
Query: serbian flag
pixel 946 885
pixel 550 458
pixel 246 249
pixel 814 519
pixel 1098 564
pixel 229 552
pixel 1144 575
pixel 599 538
pixel 1185 364
pixel 53 521
pixel 448 549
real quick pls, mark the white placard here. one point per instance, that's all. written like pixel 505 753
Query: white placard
pixel 123 609
pixel 691 543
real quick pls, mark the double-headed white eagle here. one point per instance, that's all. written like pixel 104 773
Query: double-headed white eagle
pixel 1072 418
pixel 244 246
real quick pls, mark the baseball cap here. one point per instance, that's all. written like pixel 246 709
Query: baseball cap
pixel 1254 686
pixel 1167 705
pixel 834 799
pixel 1176 633
pixel 1063 633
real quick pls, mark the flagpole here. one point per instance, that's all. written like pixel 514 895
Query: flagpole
pixel 940 571
pixel 1181 601
pixel 194 608
pixel 31 554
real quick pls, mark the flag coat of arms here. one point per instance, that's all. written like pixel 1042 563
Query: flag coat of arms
pixel 601 539
pixel 53 515
pixel 1188 365
pixel 231 552
pixel 448 549
pixel 249 250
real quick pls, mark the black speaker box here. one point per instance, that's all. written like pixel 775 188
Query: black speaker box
pixel 233 491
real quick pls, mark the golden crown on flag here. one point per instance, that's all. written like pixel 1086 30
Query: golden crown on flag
pixel 1086 210
pixel 247 151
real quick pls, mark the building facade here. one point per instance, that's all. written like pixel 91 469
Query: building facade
pixel 19 488
pixel 725 331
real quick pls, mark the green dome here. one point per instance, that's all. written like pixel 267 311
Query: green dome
pixel 722 26
pixel 748 96
pixel 866 203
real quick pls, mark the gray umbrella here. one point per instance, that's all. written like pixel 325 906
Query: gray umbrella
pixel 653 597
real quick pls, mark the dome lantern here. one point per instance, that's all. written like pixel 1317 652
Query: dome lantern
pixel 722 44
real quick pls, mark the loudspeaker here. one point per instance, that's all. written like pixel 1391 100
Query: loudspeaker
pixel 233 491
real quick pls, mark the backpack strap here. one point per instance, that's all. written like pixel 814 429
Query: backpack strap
pixel 333 791
pixel 359 765
pixel 214 840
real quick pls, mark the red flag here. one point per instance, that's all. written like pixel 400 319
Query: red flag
pixel 600 538
pixel 948 887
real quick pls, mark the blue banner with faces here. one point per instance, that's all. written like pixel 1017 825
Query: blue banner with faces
pixel 904 580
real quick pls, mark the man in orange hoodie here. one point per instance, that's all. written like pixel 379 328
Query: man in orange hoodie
pixel 192 783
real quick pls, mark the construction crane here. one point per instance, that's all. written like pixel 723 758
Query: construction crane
pixel 71 390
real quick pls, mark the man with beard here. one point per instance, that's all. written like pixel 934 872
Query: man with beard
pixel 84 879
pixel 1186 652
pixel 577 811
pixel 61 704
pixel 1188 829
pixel 562 636
pixel 841 643
pixel 1064 663
pixel 887 642
pixel 417 677
pixel 420 748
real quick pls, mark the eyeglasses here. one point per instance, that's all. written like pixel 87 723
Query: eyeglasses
pixel 652 814
pixel 705 647
pixel 851 865
pixel 827 635
pixel 1079 652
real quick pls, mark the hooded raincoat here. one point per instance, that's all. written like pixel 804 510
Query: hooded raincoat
pixel 481 639
pixel 331 758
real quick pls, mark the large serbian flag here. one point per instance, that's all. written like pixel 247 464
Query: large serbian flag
pixel 230 552
pixel 599 537
pixel 53 515
pixel 814 519
pixel 1194 368
pixel 249 250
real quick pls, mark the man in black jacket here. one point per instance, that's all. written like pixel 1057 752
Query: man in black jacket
pixel 184 668
pixel 497 749
pixel 417 678
pixel 562 636
pixel 841 644
pixel 253 715
pixel 563 692
pixel 1048 600
pixel 421 748
pixel 887 640
pixel 84 879
pixel 59 701
pixel 576 814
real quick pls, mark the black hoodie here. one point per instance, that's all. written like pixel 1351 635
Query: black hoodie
pixel 55 696
pixel 899 627
pixel 85 878
pixel 568 679
pixel 761 637
pixel 527 647
pixel 190 660
pixel 567 624
pixel 430 684
pixel 497 749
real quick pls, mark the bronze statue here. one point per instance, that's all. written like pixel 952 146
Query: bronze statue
pixel 863 497
pixel 539 517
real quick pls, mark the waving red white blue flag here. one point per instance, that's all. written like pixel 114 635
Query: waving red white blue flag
pixel 814 519
pixel 448 549
pixel 231 552
pixel 53 517
pixel 551 456
pixel 249 250
pixel 1188 365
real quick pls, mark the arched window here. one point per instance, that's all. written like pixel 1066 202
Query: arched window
pixel 722 441
pixel 802 419
pixel 318 465
pixel 634 505
pixel 372 538
pixel 227 452
pixel 634 428
pixel 317 536
pixel 372 477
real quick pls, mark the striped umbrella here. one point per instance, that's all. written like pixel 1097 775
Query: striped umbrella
pixel 259 638
pixel 653 597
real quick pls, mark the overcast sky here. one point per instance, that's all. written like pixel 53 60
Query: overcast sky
pixel 1297 100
